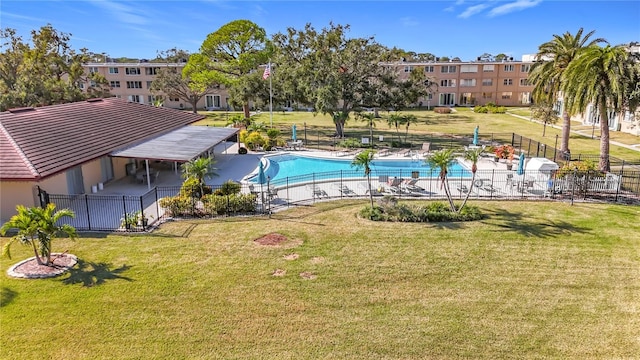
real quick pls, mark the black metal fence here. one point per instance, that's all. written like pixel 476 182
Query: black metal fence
pixel 113 212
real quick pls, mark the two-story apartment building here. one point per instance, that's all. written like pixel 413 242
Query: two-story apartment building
pixel 132 81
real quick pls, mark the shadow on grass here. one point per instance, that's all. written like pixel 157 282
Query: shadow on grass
pixel 517 222
pixel 90 274
pixel 6 296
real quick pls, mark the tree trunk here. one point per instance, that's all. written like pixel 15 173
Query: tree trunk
pixel 194 105
pixel 464 202
pixel 370 193
pixel 604 138
pixel 566 132
pixel 339 128
pixel 544 129
pixel 371 134
pixel 245 109
pixel 35 251
pixel 445 184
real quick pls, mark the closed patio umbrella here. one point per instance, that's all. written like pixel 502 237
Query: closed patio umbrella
pixel 293 133
pixel 261 176
pixel 475 136
pixel 520 170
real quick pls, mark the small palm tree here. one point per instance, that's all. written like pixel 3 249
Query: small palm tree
pixel 601 76
pixel 472 155
pixel 199 169
pixel 371 120
pixel 37 227
pixel 408 120
pixel 395 120
pixel 363 160
pixel 443 160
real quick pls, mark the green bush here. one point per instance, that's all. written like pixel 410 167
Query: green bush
pixel 228 188
pixel 229 204
pixel 388 209
pixel 191 188
pixel 178 205
pixel 350 143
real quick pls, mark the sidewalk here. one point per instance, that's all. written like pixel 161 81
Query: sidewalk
pixel 635 147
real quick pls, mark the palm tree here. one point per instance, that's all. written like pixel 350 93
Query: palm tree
pixel 37 227
pixel 472 155
pixel 443 160
pixel 199 169
pixel 363 160
pixel 395 120
pixel 601 76
pixel 408 120
pixel 371 120
pixel 552 60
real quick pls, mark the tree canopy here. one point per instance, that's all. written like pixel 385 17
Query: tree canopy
pixel 46 71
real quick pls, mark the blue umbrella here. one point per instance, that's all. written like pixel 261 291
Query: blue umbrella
pixel 475 136
pixel 293 135
pixel 521 165
pixel 261 177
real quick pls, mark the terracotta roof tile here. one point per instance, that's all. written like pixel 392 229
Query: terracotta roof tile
pixel 40 142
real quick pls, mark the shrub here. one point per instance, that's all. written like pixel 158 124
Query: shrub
pixel 442 110
pixel 350 143
pixel 389 210
pixel 253 140
pixel 228 188
pixel 178 205
pixel 229 204
pixel 191 188
pixel 373 213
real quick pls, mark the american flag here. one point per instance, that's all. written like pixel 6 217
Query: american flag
pixel 267 71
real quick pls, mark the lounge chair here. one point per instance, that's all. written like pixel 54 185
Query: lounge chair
pixel 394 185
pixel 463 189
pixel 317 191
pixel 375 191
pixel 383 152
pixel 426 148
pixel 410 185
pixel 344 190
pixel 272 193
pixel 404 152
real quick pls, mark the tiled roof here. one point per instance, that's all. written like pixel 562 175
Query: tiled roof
pixel 40 142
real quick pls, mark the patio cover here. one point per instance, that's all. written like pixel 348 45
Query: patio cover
pixel 182 144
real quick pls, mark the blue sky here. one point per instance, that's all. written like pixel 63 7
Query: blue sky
pixel 462 28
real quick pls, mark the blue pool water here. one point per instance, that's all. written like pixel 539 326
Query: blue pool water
pixel 297 168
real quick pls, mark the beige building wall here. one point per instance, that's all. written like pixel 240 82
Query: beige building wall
pixel 14 193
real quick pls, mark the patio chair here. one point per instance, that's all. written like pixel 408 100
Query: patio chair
pixel 344 190
pixel 272 192
pixel 317 192
pixel 410 185
pixel 375 191
pixel 463 189
pixel 404 152
pixel 394 185
pixel 426 148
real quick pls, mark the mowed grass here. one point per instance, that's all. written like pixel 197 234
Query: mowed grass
pixel 533 280
pixel 442 130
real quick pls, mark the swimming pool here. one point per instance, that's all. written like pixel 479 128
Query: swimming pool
pixel 295 168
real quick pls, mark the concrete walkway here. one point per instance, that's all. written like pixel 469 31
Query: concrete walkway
pixel 635 147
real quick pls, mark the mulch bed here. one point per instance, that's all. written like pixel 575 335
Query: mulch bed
pixel 271 239
pixel 30 269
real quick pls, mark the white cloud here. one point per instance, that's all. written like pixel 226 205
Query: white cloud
pixel 122 12
pixel 472 10
pixel 517 5
pixel 409 21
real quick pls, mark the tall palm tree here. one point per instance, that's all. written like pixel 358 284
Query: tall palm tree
pixel 363 160
pixel 37 227
pixel 199 169
pixel 601 76
pixel 408 120
pixel 443 160
pixel 395 120
pixel 472 155
pixel 552 60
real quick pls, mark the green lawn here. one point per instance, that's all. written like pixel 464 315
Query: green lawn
pixel 442 130
pixel 534 280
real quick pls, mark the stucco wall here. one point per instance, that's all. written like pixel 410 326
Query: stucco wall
pixel 15 193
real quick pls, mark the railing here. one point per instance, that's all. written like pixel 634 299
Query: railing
pixel 108 212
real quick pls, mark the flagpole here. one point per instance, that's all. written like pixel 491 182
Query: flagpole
pixel 270 97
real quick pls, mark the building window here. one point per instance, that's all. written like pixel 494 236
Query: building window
pixel 408 68
pixel 93 70
pixel 468 82
pixel 487 82
pixel 467 99
pixel 92 83
pixel 525 82
pixel 448 83
pixel 487 68
pixel 506 95
pixel 429 69
pixel 448 69
pixel 509 67
pixel 212 101
pixel 507 82
pixel 114 84
pixel 132 71
pixel 149 84
pixel 525 98
pixel 80 85
pixel 468 68
pixel 134 98
pixel 447 99
pixel 173 98
pixel 113 70
pixel 151 71
pixel 525 68
pixel 487 95
pixel 134 84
